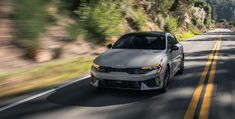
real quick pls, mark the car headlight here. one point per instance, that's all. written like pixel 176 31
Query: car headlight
pixel 98 68
pixel 95 65
pixel 157 67
pixel 144 70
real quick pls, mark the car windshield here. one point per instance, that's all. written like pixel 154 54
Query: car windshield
pixel 141 41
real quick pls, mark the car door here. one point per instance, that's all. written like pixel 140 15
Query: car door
pixel 175 55
pixel 179 53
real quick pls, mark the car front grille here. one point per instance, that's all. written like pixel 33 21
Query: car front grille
pixel 120 84
pixel 126 70
pixel 110 69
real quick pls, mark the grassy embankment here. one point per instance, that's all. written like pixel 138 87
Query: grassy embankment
pixel 45 75
pixel 185 36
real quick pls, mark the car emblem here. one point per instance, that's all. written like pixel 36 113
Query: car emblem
pixel 119 65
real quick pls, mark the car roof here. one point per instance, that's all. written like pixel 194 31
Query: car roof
pixel 150 32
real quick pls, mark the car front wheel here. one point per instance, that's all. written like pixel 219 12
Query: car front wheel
pixel 166 81
pixel 181 70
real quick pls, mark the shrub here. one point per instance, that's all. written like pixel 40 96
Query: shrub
pixel 171 25
pixel 160 21
pixel 207 20
pixel 30 47
pixel 207 8
pixel 100 19
pixel 73 31
pixel 139 20
pixel 195 31
pixel 30 20
pixel 200 3
pixel 184 36
pixel 223 21
pixel 135 16
pixel 194 21
pixel 160 6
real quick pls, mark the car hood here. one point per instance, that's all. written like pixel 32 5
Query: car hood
pixel 124 58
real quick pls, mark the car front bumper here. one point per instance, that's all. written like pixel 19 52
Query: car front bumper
pixel 117 80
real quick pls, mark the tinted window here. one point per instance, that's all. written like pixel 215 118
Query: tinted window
pixel 172 40
pixel 141 41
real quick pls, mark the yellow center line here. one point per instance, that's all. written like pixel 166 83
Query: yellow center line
pixel 204 113
pixel 197 93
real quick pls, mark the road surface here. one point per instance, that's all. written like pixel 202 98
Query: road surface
pixel 206 90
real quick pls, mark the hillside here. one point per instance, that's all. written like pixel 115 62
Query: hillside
pixel 64 29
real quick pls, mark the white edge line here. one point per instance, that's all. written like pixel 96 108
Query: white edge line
pixel 40 94
pixel 72 82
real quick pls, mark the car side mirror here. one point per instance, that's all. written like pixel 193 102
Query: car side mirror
pixel 174 48
pixel 109 46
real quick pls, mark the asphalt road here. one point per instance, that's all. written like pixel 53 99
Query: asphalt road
pixel 205 90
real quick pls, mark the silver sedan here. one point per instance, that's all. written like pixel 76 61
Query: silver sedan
pixel 139 61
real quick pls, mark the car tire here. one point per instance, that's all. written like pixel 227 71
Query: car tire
pixel 166 80
pixel 181 70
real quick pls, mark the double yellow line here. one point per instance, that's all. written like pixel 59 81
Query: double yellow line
pixel 205 107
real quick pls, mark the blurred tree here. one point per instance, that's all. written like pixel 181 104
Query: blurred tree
pixel 100 19
pixel 223 8
pixel 30 21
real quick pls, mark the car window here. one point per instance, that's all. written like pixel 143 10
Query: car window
pixel 172 40
pixel 141 41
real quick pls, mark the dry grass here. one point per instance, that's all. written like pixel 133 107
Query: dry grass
pixel 49 74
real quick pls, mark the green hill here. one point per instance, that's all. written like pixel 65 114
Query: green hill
pixel 223 9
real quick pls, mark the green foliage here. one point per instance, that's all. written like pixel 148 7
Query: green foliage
pixel 68 6
pixel 171 25
pixel 30 20
pixel 200 3
pixel 161 6
pixel 194 31
pixel 184 36
pixel 100 19
pixel 223 20
pixel 139 20
pixel 207 8
pixel 73 31
pixel 159 22
pixel 208 19
pixel 194 21
pixel 209 14
pixel 224 9
pixel 134 15
pixel 213 21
